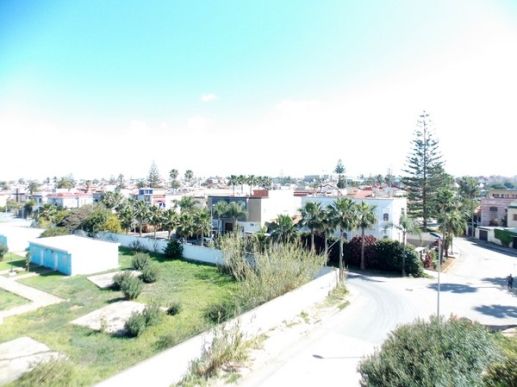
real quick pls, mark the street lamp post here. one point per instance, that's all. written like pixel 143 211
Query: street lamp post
pixel 439 270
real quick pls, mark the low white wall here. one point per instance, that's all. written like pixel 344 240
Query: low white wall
pixel 171 365
pixel 190 252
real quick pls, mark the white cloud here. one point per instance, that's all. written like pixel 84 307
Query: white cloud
pixel 209 97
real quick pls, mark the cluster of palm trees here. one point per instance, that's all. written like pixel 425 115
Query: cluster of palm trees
pixel 343 216
pixel 190 221
pixel 250 180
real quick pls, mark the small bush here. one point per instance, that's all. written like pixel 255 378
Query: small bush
pixel 136 324
pixel 174 309
pixel 152 314
pixel 3 251
pixel 131 287
pixel 227 350
pixel 140 261
pixel 352 251
pixel 56 372
pixel 174 249
pixel 120 278
pixel 150 274
pixel 221 312
pixel 438 352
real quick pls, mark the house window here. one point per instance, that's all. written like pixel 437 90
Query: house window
pixel 515 217
pixel 493 209
pixel 386 217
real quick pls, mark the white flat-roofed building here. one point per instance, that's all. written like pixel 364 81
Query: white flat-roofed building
pixel 72 255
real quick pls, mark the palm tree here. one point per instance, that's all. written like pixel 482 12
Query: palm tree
pixel 406 225
pixel 241 179
pixel 329 225
pixel 450 216
pixel 186 226
pixel 126 214
pixel 365 219
pixel 170 221
pixel 189 175
pixel 235 211
pixel 233 181
pixel 142 213
pixel 469 191
pixel 155 218
pixel 344 214
pixel 186 204
pixel 283 229
pixel 202 224
pixel 252 181
pixel 312 218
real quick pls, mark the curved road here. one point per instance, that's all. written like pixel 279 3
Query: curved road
pixel 328 353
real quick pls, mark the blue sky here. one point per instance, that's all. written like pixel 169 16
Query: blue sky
pixel 264 87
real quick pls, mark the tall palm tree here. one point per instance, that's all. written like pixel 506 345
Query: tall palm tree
pixel 241 179
pixel 252 181
pixel 141 214
pixel 283 229
pixel 450 215
pixel 233 180
pixel 344 214
pixel 170 220
pixel 312 218
pixel 126 214
pixel 155 218
pixel 329 226
pixel 406 225
pixel 186 226
pixel 202 224
pixel 365 219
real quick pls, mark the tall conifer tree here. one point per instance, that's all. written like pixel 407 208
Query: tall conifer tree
pixel 424 169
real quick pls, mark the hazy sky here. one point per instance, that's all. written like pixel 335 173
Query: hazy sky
pixel 97 88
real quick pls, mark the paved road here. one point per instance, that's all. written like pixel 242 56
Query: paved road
pixel 329 354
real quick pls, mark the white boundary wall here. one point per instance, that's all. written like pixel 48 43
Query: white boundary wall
pixel 190 252
pixel 171 365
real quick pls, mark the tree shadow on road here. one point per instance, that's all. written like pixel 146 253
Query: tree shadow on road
pixel 501 283
pixel 498 311
pixel 362 277
pixel 454 288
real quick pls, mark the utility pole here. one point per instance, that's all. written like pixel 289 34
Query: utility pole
pixel 439 270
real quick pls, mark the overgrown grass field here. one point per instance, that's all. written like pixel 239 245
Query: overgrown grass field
pixel 9 300
pixel 96 355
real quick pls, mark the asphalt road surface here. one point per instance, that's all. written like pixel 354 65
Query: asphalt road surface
pixel 328 354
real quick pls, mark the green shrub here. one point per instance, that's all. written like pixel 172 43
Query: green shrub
pixel 56 372
pixel 389 256
pixel 352 251
pixel 140 261
pixel 505 236
pixel 438 352
pixel 131 287
pixel 174 249
pixel 217 313
pixel 152 314
pixel 150 273
pixel 3 251
pixel 136 324
pixel 54 231
pixel 502 373
pixel 120 278
pixel 227 350
pixel 174 309
pixel 272 272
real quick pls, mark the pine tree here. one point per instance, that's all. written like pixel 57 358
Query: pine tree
pixel 153 179
pixel 425 174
